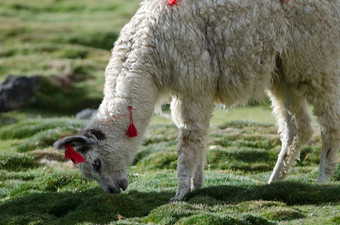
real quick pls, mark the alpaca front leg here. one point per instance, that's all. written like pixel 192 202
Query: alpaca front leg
pixel 185 168
pixel 191 151
pixel 192 116
pixel 197 181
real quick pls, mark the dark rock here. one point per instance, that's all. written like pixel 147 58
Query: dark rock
pixel 17 91
pixel 85 114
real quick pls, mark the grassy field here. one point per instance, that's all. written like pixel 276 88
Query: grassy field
pixel 64 40
pixel 71 40
pixel 37 185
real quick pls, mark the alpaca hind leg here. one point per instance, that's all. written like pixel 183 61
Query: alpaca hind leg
pixel 192 116
pixel 329 155
pixel 327 109
pixel 294 127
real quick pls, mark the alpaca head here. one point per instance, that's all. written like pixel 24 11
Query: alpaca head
pixel 104 162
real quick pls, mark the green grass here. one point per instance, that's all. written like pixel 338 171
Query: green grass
pixel 63 39
pixel 67 43
pixel 40 187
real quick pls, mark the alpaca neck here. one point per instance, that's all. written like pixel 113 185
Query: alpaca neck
pixel 136 91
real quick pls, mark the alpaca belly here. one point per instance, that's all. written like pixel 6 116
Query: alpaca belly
pixel 240 83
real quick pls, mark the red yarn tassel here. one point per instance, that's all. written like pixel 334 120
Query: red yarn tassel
pixel 174 2
pixel 132 131
pixel 70 153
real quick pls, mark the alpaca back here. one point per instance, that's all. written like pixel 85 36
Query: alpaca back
pixel 230 47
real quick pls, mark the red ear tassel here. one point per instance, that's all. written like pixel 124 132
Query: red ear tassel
pixel 132 131
pixel 70 153
pixel 174 2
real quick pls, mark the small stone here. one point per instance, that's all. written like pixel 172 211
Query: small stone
pixel 85 114
pixel 18 91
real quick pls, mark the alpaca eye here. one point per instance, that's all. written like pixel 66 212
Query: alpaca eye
pixel 96 165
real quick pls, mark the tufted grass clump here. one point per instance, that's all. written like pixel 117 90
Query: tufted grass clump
pixel 171 213
pixel 336 175
pixel 38 134
pixel 335 220
pixel 161 160
pixel 279 214
pixel 28 128
pixel 44 139
pixel 17 162
pixel 209 219
pixel 184 213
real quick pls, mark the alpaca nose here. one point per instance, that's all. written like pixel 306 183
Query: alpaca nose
pixel 119 184
pixel 113 189
pixel 123 183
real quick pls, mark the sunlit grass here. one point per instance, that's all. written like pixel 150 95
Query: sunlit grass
pixel 240 158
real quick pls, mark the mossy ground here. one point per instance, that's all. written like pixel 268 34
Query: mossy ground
pixel 37 185
pixel 67 43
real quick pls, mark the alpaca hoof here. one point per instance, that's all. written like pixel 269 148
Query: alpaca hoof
pixel 179 196
pixel 175 199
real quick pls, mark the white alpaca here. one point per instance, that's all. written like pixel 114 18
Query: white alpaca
pixel 217 51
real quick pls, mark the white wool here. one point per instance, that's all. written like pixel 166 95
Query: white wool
pixel 225 52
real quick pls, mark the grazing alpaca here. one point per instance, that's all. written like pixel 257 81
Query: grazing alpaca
pixel 216 51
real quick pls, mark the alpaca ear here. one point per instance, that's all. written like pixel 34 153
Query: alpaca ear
pixel 98 134
pixel 75 141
